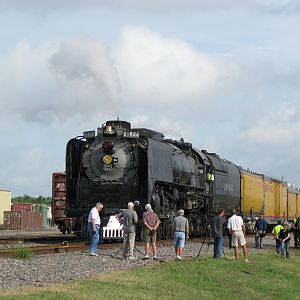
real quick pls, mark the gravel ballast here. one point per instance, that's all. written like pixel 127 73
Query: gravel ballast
pixel 54 268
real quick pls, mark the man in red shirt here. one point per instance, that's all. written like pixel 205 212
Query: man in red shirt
pixel 151 223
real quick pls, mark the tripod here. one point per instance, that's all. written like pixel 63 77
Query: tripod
pixel 207 235
pixel 127 248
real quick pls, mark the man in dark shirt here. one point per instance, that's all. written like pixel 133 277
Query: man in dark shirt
pixel 285 238
pixel 217 225
pixel 128 217
pixel 260 229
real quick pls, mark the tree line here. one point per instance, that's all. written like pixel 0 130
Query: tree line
pixel 30 199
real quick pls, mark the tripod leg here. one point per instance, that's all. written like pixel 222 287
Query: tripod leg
pixel 224 252
pixel 201 246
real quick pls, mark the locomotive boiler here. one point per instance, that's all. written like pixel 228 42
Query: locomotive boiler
pixel 116 164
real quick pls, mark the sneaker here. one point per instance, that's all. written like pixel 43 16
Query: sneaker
pixel 247 260
pixel 145 257
pixel 261 247
pixel 155 257
pixel 178 257
pixel 94 254
pixel 132 258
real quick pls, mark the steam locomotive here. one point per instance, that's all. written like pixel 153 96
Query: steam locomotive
pixel 117 164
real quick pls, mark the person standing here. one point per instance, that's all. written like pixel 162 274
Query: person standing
pixel 276 232
pixel 260 229
pixel 151 223
pixel 217 225
pixel 237 230
pixel 181 233
pixel 94 222
pixel 296 229
pixel 285 238
pixel 128 217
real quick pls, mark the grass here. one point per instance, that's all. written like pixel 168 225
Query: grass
pixel 22 253
pixel 267 276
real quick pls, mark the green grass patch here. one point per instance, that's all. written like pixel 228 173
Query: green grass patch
pixel 22 253
pixel 267 276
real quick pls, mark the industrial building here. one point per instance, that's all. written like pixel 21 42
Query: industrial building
pixel 5 204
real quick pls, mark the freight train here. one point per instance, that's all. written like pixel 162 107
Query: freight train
pixel 117 163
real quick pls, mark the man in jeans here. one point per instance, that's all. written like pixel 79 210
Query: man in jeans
pixel 128 217
pixel 217 231
pixel 260 229
pixel 285 238
pixel 94 227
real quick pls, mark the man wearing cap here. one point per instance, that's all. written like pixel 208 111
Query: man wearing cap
pixel 128 217
pixel 94 227
pixel 181 233
pixel 151 223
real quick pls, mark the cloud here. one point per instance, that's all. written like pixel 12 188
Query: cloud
pixel 58 81
pixel 85 66
pixel 280 127
pixel 168 127
pixel 85 78
pixel 24 173
pixel 156 69
pixel 54 6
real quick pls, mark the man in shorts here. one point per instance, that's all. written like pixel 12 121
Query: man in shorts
pixel 151 223
pixel 237 230
pixel 181 233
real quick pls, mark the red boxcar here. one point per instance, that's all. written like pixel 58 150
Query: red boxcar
pixel 58 195
pixel 22 220
pixel 15 206
pixel 58 206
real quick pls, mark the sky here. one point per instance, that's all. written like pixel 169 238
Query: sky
pixel 223 75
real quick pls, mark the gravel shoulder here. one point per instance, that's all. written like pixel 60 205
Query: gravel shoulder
pixel 54 268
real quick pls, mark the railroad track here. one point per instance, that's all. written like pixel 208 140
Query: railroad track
pixel 69 247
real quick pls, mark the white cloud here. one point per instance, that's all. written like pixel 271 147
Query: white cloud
pixel 280 127
pixel 42 7
pixel 58 81
pixel 159 70
pixel 83 77
pixel 168 127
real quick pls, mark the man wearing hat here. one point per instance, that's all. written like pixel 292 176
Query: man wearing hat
pixel 181 233
pixel 151 223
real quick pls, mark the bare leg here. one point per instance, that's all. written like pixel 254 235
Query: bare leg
pixel 154 249
pixel 236 252
pixel 147 247
pixel 180 252
pixel 245 252
pixel 176 251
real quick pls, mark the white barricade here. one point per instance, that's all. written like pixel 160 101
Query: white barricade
pixel 113 230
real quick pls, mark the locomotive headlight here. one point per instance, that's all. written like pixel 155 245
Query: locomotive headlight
pixel 107 159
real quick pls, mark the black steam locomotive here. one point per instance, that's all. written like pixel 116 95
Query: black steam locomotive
pixel 119 164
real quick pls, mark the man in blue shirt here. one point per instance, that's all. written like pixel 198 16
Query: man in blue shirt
pixel 260 229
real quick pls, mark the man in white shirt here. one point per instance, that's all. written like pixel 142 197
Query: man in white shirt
pixel 237 230
pixel 94 227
